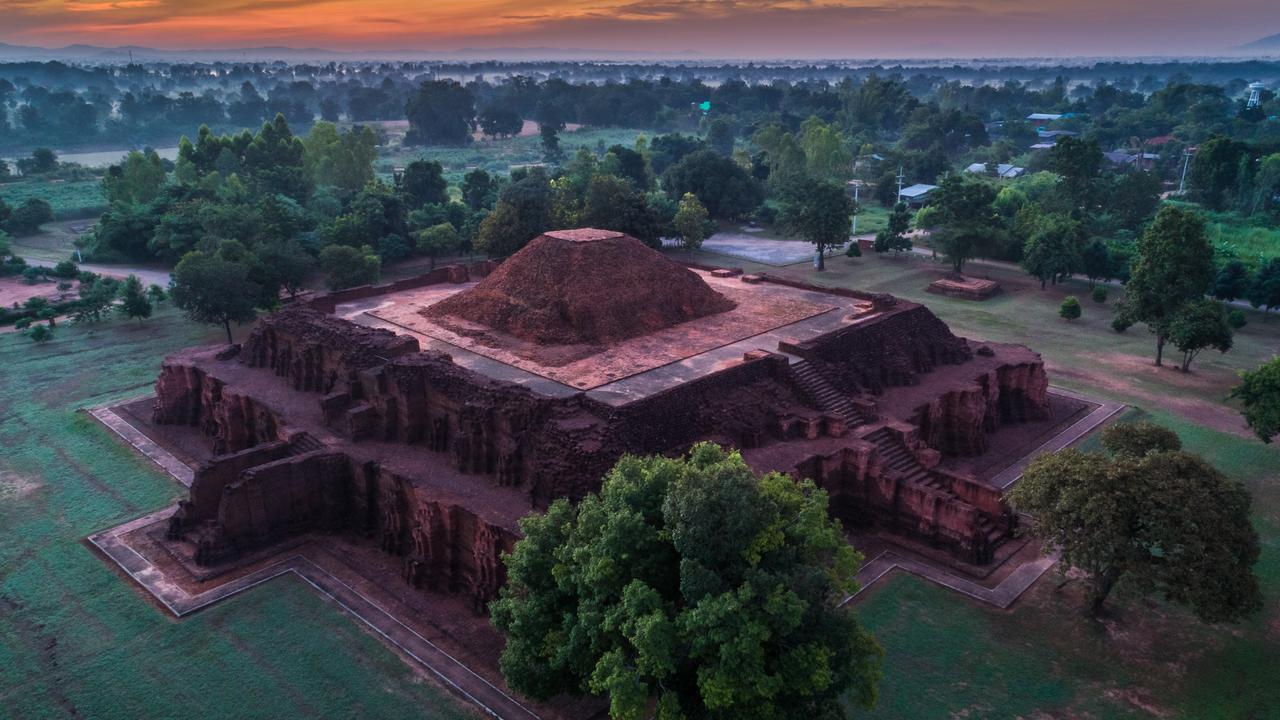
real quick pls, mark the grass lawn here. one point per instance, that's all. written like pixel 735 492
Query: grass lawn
pixel 68 198
pixel 77 640
pixel 949 657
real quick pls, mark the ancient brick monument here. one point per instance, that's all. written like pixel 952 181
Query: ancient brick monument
pixel 430 415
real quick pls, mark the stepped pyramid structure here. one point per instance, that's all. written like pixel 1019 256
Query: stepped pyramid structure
pixel 366 412
pixel 571 287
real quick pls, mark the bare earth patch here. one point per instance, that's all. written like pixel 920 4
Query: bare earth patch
pixel 1116 372
pixel 14 486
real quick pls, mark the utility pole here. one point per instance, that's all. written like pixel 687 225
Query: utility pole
pixel 856 184
pixel 1186 160
pixel 900 176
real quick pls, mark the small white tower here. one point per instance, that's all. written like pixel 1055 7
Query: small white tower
pixel 1255 95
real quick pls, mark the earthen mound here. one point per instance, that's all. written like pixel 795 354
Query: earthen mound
pixel 586 286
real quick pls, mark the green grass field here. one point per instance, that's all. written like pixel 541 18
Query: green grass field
pixel 69 199
pixel 77 640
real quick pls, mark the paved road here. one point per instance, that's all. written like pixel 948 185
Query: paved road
pixel 148 276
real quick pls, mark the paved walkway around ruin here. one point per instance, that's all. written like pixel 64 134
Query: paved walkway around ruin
pixel 1106 410
pixel 107 415
pixel 1011 588
pixel 456 676
pixel 1002 595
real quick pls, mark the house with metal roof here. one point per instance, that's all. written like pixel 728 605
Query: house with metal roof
pixel 1003 170
pixel 916 195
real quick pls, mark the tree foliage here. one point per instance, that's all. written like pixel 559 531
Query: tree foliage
pixel 1259 393
pixel 134 302
pixel 692 222
pixel 965 216
pixel 726 189
pixel 692 588
pixel 819 211
pixel 215 291
pixel 441 113
pixel 1199 325
pixel 1173 266
pixel 1150 515
pixel 347 266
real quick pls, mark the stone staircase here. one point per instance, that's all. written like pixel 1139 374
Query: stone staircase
pixel 822 393
pixel 304 443
pixel 895 456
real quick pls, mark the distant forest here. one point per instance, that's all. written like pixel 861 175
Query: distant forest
pixel 71 106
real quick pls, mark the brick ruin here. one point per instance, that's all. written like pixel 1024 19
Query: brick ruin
pixel 322 424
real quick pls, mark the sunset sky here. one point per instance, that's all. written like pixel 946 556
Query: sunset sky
pixel 713 28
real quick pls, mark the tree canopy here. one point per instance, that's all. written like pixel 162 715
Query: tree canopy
pixel 215 291
pixel 691 587
pixel 1259 393
pixel 1173 265
pixel 1150 515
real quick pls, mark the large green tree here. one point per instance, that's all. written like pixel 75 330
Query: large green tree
pixel 1053 251
pixel 613 204
pixel 692 222
pixel 725 188
pixel 1173 265
pixel 688 588
pixel 894 235
pixel 818 211
pixel 1199 325
pixel 1151 515
pixel 1079 163
pixel 441 113
pixel 138 179
pixel 1259 393
pixel 962 208
pixel 215 291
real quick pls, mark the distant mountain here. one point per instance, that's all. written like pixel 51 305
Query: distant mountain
pixel 1270 43
pixel 93 53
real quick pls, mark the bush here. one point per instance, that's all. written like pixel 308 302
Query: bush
pixel 23 323
pixel 348 267
pixel 1120 323
pixel 1099 294
pixel 40 333
pixel 1236 319
pixel 853 250
pixel 66 270
pixel 1070 308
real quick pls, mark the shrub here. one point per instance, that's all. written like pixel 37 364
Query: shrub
pixel 853 250
pixel 23 323
pixel 1236 319
pixel 1099 293
pixel 1070 308
pixel 40 333
pixel 65 269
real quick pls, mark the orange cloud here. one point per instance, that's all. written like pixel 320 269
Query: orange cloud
pixel 726 28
